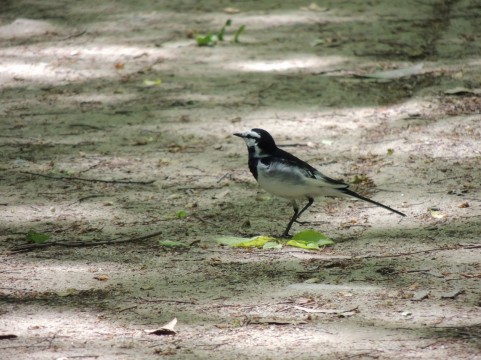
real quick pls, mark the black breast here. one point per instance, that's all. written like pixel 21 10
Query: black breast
pixel 253 165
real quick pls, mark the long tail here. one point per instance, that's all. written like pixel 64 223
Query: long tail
pixel 356 195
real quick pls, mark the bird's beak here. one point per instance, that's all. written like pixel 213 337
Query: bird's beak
pixel 239 135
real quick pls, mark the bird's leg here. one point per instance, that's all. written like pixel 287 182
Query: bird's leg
pixel 310 201
pixel 294 217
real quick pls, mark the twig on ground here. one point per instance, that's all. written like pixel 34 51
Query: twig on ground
pixel 86 198
pixel 470 246
pixel 86 126
pixel 91 167
pixel 127 308
pixel 195 216
pixel 90 180
pixel 223 177
pixel 196 188
pixel 432 181
pixel 30 247
pixel 449 247
pixel 325 311
pixel 377 256
pixel 74 35
pixel 168 300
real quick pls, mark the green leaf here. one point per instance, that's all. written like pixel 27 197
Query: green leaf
pixel 155 82
pixel 181 214
pixel 230 240
pixel 221 33
pixel 310 239
pixel 256 241
pixel 37 237
pixel 238 34
pixel 358 179
pixel 207 40
pixel 171 244
pixel 390 152
pixel 272 245
pixel 309 235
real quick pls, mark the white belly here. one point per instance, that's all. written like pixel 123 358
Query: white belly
pixel 290 183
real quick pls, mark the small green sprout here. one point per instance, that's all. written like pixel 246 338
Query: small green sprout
pixel 181 214
pixel 211 39
pixel 37 238
pixel 238 34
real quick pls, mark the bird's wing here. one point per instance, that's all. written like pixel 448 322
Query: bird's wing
pixel 312 175
pixel 326 181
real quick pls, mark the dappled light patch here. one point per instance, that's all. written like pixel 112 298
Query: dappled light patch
pixel 307 63
pixel 119 170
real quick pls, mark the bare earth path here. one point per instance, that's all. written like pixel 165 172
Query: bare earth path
pixel 113 120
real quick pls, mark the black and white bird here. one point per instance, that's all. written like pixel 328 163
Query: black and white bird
pixel 282 174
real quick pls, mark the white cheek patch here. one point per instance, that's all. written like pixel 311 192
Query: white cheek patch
pixel 251 139
pixel 250 142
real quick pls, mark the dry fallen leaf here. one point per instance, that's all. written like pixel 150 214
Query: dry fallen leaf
pixel 414 286
pixel 471 276
pixel 231 10
pixel 453 294
pixel 462 91
pixel 420 295
pixel 103 277
pixel 227 325
pixel 167 329
pixel 313 7
pixel 436 213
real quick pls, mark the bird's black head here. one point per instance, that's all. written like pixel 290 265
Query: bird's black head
pixel 258 141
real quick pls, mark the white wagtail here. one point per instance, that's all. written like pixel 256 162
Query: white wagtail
pixel 282 174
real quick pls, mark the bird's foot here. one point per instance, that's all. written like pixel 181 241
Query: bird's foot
pixel 284 236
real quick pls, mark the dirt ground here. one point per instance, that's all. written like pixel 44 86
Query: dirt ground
pixel 115 124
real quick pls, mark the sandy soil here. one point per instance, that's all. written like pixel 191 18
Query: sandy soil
pixel 113 120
